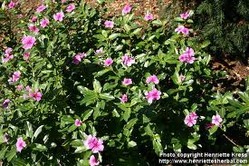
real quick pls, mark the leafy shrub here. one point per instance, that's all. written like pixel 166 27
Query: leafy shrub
pixel 78 87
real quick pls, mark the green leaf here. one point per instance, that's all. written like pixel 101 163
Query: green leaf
pixel 137 31
pixel 102 72
pixel 132 144
pixel 37 132
pixel 2 153
pixel 11 154
pixel 40 147
pixel 87 114
pixel 77 143
pixel 106 96
pixel 29 131
pixel 80 149
pixel 213 129
pixel 114 36
pixel 191 145
pixel 97 86
pixel 127 114
pixel 131 123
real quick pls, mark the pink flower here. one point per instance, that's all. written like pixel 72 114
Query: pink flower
pixel 15 77
pixel 26 56
pixel 8 51
pixel 127 81
pixel 185 15
pixel 7 55
pixel 36 95
pixel 44 22
pixel 33 28
pixel 70 8
pixel 124 98
pixel 6 103
pixel 191 119
pixel 58 16
pixel 19 87
pixel 216 120
pixel 77 122
pixel 187 56
pixel 99 51
pixel 40 8
pixel 77 58
pixel 28 42
pixel 152 79
pixel 127 9
pixel 33 19
pixel 127 60
pixel 93 161
pixel 154 94
pixel 182 29
pixel 28 89
pixel 93 143
pixel 20 144
pixel 148 17
pixel 108 62
pixel 11 5
pixel 109 24
pixel 182 78
pixel 63 1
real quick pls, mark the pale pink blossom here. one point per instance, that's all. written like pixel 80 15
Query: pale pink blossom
pixel 152 79
pixel 36 95
pixel 6 103
pixel 8 51
pixel 128 60
pixel 148 17
pixel 109 24
pixel 70 8
pixel 191 119
pixel 20 144
pixel 93 143
pixel 58 16
pixel 182 78
pixel 99 51
pixel 124 98
pixel 182 29
pixel 7 55
pixel 78 58
pixel 26 56
pixel 44 22
pixel 77 122
pixel 33 28
pixel 33 19
pixel 40 8
pixel 11 5
pixel 28 42
pixel 93 161
pixel 216 120
pixel 28 89
pixel 187 56
pixel 15 77
pixel 19 87
pixel 127 9
pixel 185 15
pixel 63 1
pixel 127 81
pixel 108 62
pixel 152 95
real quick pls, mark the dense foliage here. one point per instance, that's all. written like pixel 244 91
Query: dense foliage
pixel 78 88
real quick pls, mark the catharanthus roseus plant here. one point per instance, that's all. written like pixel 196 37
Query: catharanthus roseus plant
pixel 82 89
